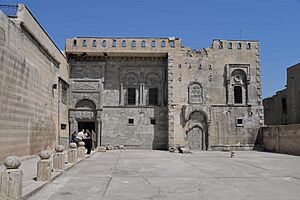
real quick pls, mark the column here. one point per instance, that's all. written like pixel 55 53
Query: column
pixel 142 94
pixel 137 96
pixel 122 94
pixel 99 124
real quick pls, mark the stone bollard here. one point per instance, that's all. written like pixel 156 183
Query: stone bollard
pixel 81 150
pixel 72 153
pixel 44 166
pixel 59 158
pixel 11 179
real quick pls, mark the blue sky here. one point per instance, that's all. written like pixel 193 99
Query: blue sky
pixel 275 23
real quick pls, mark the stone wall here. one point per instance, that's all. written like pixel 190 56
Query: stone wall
pixel 281 139
pixel 283 108
pixel 141 134
pixel 29 94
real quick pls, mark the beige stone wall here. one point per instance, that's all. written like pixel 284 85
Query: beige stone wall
pixel 273 106
pixel 29 117
pixel 282 139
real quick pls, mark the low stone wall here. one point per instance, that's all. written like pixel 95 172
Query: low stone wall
pixel 282 139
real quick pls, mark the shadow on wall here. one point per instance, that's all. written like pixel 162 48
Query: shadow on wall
pixel 160 123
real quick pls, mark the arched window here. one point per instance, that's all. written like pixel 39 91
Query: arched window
pixel 143 43
pixel 172 43
pixel 153 96
pixel 133 43
pixel 124 43
pixel 239 46
pixel 229 45
pixel 131 96
pixel 104 43
pixel 94 43
pixel 153 44
pixel 248 45
pixel 74 43
pixel 163 43
pixel 114 44
pixel 84 43
pixel 238 94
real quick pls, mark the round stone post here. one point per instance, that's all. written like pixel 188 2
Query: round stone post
pixel 72 153
pixel 59 158
pixel 44 166
pixel 81 150
pixel 11 179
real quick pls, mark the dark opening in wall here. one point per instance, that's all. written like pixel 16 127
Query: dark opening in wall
pixel 74 43
pixel 133 43
pixel 153 44
pixel 221 45
pixel 152 121
pixel 239 46
pixel 229 45
pixel 143 43
pixel 94 43
pixel 239 122
pixel 123 43
pixel 104 43
pixel 172 44
pixel 163 43
pixel 114 44
pixel 131 96
pixel 84 43
pixel 238 94
pixel 248 45
pixel 63 126
pixel 153 96
pixel 130 121
pixel 283 105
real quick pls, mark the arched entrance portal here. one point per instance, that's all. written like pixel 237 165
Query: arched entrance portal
pixel 197 134
pixel 195 138
pixel 84 116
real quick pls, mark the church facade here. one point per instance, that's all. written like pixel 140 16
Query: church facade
pixel 154 93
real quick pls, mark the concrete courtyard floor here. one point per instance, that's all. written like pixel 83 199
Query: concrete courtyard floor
pixel 138 174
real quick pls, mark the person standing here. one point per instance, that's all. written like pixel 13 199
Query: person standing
pixel 88 141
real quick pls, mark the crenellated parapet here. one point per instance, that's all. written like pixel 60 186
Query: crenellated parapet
pixel 122 44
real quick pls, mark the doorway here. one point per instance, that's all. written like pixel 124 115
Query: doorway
pixel 86 125
pixel 196 139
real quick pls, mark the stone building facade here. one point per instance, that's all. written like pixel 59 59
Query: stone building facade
pixel 154 93
pixel 284 108
pixel 146 93
pixel 33 85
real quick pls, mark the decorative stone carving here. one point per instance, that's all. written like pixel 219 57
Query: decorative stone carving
pixel 84 115
pixel 89 86
pixel 59 158
pixel 195 93
pixel 44 167
pixel 12 162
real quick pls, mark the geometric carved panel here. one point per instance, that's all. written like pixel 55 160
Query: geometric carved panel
pixel 195 93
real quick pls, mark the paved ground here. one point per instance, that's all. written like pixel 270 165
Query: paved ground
pixel 137 175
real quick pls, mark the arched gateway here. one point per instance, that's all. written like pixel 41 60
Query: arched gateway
pixel 197 134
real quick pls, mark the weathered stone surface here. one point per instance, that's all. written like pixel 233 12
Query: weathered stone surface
pixel 72 145
pixel 184 150
pixel 12 162
pixel 121 146
pixel 81 151
pixel 59 161
pixel 44 170
pixel 109 147
pixel 28 72
pixel 45 154
pixel 59 148
pixel 72 155
pixel 81 144
pixel 101 149
pixel 11 184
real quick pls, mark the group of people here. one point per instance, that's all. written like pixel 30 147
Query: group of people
pixel 86 136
